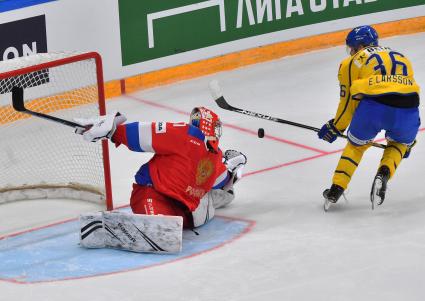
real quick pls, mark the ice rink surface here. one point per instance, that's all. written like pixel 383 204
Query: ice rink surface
pixel 295 251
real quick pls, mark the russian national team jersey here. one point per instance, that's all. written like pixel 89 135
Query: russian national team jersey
pixel 372 72
pixel 182 167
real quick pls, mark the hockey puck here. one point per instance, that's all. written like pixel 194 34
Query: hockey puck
pixel 260 133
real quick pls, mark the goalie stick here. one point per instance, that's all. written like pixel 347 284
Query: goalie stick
pixel 222 103
pixel 18 105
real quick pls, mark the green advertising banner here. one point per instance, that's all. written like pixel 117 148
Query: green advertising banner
pixel 153 29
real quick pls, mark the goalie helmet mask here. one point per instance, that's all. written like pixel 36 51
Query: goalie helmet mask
pixel 209 123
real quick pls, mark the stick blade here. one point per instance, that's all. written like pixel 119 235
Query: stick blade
pixel 215 89
pixel 217 94
pixel 222 103
pixel 18 99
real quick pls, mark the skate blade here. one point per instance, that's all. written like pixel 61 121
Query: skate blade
pixel 374 194
pixel 327 205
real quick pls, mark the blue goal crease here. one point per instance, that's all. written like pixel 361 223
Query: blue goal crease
pixel 53 253
pixel 7 5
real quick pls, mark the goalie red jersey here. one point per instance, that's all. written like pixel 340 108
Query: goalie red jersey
pixel 183 167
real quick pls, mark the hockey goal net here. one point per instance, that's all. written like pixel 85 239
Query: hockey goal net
pixel 43 159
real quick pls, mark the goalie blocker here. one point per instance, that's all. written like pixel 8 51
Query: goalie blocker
pixel 131 232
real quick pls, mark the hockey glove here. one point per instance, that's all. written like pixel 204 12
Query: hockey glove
pixel 409 148
pixel 329 132
pixel 98 128
pixel 235 162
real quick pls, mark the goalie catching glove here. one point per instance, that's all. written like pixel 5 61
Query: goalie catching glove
pixel 98 128
pixel 235 162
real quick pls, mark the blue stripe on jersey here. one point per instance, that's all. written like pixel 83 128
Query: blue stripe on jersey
pixel 143 176
pixel 222 183
pixel 132 132
pixel 195 132
pixel 389 93
pixel 7 5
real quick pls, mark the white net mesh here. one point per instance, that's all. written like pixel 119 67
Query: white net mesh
pixel 40 158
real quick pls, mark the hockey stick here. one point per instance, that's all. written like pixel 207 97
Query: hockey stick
pixel 18 105
pixel 222 103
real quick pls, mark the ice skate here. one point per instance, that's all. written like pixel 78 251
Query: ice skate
pixel 379 186
pixel 332 195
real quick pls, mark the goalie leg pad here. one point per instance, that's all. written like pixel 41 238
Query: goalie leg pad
pixel 215 198
pixel 139 233
pixel 143 233
pixel 204 212
pixel 222 197
pixel 92 233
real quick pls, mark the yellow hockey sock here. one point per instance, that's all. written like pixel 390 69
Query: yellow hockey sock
pixel 348 163
pixel 393 155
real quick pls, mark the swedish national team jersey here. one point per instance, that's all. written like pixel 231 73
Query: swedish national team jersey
pixel 374 72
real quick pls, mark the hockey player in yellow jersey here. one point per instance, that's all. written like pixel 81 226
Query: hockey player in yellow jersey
pixel 377 92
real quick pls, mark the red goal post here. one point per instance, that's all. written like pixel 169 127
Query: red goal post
pixel 41 159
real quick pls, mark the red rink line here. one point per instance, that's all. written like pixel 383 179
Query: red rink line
pixel 290 163
pixel 155 104
pixel 276 139
pixel 304 159
pixel 248 131
pixel 321 152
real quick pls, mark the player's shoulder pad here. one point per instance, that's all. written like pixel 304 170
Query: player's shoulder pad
pixel 343 67
pixel 195 132
pixel 345 62
pixel 360 58
pixel 162 127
